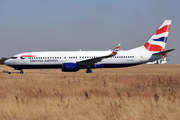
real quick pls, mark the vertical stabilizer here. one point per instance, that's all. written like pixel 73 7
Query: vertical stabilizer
pixel 158 40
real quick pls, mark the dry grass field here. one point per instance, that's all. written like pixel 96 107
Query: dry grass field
pixel 145 92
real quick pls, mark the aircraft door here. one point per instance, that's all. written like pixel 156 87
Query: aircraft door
pixel 141 57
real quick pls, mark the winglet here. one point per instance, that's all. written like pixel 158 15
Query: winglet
pixel 115 50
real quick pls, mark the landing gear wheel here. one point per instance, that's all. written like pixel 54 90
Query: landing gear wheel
pixel 88 71
pixel 21 72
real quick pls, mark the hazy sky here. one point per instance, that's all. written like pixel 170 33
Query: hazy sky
pixel 51 25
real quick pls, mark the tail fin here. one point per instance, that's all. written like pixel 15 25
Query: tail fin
pixel 158 40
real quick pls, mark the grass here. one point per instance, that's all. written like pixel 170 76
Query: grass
pixel 145 92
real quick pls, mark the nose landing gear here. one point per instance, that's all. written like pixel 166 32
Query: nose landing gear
pixel 21 71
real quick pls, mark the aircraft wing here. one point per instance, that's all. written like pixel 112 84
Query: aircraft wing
pixel 163 52
pixel 92 61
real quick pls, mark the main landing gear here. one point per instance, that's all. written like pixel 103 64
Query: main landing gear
pixel 21 72
pixel 88 71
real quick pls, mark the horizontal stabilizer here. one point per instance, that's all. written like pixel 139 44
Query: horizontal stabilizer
pixel 164 52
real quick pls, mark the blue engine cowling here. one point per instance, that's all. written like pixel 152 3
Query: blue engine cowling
pixel 70 67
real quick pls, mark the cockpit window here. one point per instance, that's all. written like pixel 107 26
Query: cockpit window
pixel 13 57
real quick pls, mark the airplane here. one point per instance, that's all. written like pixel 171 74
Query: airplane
pixel 73 61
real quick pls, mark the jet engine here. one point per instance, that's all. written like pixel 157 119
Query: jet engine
pixel 70 67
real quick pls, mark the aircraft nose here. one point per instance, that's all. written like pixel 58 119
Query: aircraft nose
pixel 7 62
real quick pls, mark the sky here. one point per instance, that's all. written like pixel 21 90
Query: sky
pixel 66 25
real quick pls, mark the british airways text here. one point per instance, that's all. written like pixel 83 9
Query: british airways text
pixel 43 60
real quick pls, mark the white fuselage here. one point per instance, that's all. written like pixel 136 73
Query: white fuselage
pixel 33 60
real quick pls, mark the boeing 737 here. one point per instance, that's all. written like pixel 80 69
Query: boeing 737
pixel 72 61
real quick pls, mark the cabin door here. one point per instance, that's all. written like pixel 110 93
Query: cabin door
pixel 141 57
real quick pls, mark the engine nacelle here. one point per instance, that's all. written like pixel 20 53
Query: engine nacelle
pixel 70 67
